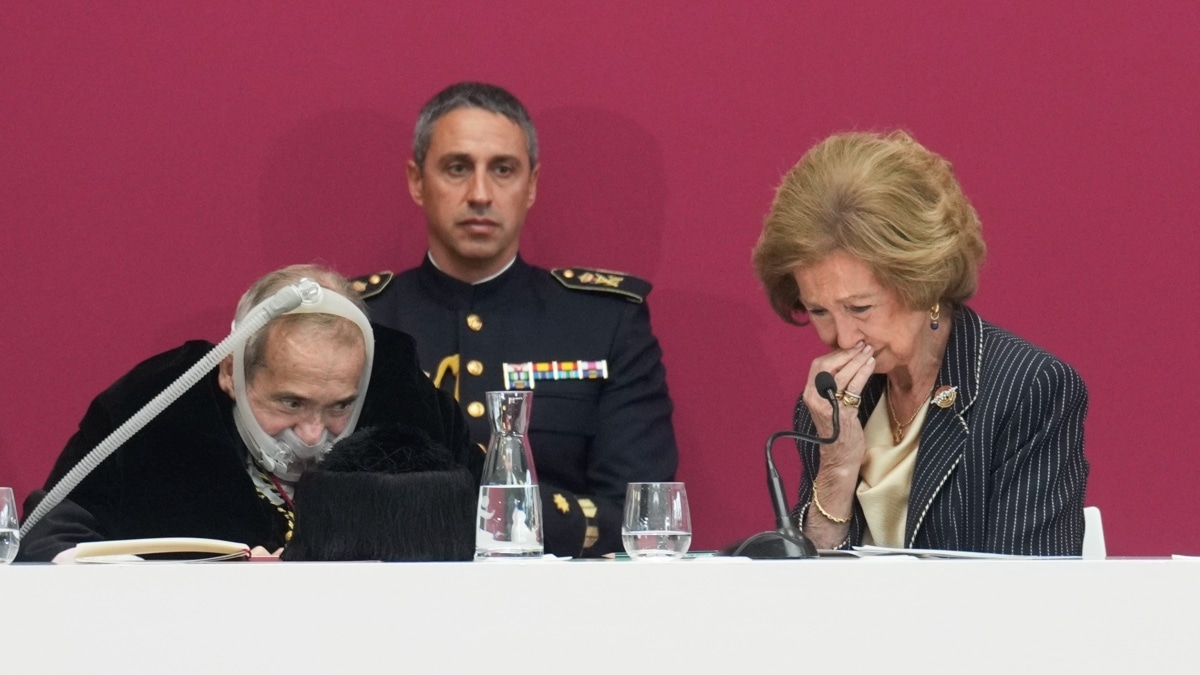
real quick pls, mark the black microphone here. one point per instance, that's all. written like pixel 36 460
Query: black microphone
pixel 785 541
pixel 827 387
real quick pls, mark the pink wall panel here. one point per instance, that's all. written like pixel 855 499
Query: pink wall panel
pixel 155 158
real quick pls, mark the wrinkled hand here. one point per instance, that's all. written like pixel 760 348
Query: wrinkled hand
pixel 850 369
pixel 841 460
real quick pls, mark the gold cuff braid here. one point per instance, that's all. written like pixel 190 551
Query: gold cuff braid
pixel 592 534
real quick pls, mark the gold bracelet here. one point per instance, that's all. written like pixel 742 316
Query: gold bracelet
pixel 839 521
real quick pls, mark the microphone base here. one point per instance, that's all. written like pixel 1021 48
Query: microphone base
pixel 772 545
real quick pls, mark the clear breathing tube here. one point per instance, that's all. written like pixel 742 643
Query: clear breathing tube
pixel 284 300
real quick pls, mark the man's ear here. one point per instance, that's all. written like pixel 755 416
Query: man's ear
pixel 416 182
pixel 225 376
pixel 533 175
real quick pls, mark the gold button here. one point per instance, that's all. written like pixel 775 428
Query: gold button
pixel 474 367
pixel 475 409
pixel 569 274
pixel 474 322
pixel 374 279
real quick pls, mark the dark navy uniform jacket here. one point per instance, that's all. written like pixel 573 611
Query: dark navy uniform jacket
pixel 589 436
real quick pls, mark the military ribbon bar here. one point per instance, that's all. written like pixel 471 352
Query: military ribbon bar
pixel 525 375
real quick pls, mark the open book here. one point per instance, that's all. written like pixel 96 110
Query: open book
pixel 167 549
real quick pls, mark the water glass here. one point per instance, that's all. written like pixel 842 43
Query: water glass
pixel 10 526
pixel 657 525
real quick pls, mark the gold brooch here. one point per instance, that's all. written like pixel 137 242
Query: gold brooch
pixel 944 396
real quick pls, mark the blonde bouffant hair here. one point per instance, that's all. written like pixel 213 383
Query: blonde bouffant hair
pixel 884 199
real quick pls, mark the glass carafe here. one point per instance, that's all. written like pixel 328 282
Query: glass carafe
pixel 509 520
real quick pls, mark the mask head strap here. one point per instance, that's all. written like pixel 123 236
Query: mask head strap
pixel 275 457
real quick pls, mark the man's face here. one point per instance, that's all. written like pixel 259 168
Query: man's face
pixel 475 187
pixel 308 382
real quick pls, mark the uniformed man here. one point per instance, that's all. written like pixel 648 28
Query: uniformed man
pixel 486 320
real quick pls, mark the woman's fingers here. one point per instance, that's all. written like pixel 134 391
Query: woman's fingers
pixel 851 368
pixel 846 366
pixel 858 371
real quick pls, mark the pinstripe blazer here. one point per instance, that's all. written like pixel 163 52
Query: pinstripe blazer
pixel 1002 470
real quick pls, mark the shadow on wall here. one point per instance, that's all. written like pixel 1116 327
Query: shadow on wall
pixel 333 191
pixel 721 383
pixel 602 201
pixel 602 193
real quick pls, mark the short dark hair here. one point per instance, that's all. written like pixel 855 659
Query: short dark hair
pixel 387 493
pixel 487 97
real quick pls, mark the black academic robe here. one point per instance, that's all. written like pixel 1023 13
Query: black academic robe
pixel 184 474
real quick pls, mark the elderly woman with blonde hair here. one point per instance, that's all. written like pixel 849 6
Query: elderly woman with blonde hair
pixel 955 434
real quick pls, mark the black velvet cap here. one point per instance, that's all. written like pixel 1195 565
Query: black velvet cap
pixel 385 493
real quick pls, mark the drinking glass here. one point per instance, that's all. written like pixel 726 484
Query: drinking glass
pixel 10 527
pixel 657 525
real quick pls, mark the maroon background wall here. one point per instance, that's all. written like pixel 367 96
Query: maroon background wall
pixel 157 157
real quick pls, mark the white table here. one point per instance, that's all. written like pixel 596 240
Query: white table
pixel 703 616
